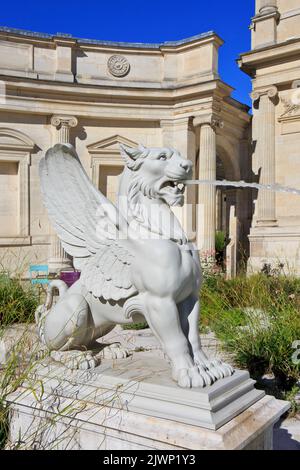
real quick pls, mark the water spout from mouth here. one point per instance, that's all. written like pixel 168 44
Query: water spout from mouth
pixel 243 184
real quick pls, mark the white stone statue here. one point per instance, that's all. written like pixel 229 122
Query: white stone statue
pixel 135 261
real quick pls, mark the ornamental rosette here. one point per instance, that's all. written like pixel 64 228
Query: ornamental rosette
pixel 118 65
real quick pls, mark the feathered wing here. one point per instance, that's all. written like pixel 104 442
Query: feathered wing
pixel 88 225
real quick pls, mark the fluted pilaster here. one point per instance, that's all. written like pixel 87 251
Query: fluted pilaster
pixel 206 209
pixel 266 208
pixel 58 258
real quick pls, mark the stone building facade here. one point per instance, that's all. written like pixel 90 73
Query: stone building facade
pixel 274 66
pixel 98 94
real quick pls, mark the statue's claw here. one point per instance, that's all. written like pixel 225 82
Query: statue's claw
pixel 193 377
pixel 197 379
pixel 82 360
pixel 215 369
pixel 218 369
pixel 205 373
pixel 226 368
pixel 114 351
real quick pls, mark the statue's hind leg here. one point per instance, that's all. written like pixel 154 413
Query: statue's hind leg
pixel 189 313
pixel 66 325
pixel 67 330
pixel 70 334
pixel 162 317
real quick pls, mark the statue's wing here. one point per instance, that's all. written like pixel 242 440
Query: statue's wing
pixel 89 226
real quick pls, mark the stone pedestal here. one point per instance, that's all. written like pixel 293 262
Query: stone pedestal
pixel 134 404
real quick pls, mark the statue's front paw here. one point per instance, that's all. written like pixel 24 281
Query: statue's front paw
pixel 192 378
pixel 114 351
pixel 216 368
pixel 76 360
pixel 226 369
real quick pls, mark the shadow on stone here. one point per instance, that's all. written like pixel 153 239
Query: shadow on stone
pixel 283 439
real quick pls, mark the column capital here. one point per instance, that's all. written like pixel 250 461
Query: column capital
pixel 60 120
pixel 271 92
pixel 265 10
pixel 213 120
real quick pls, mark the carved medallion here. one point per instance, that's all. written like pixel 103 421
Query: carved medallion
pixel 118 65
pixel 290 108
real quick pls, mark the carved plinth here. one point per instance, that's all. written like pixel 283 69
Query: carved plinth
pixel 136 405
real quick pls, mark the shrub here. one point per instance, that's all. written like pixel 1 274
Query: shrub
pixel 18 301
pixel 220 240
pixel 257 319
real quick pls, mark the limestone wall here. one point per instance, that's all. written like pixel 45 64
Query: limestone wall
pixel 289 24
pixel 96 95
pixel 67 59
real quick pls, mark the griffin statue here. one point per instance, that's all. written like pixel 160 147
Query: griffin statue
pixel 135 262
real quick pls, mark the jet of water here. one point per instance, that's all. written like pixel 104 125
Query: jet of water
pixel 243 184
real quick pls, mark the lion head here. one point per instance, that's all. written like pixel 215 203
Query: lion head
pixel 159 173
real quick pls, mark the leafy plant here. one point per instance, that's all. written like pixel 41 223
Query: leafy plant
pixel 257 319
pixel 18 301
pixel 220 240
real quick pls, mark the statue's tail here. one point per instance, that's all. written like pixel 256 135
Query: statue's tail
pixel 42 310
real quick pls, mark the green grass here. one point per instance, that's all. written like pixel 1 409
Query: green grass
pixel 260 348
pixel 18 301
pixel 220 240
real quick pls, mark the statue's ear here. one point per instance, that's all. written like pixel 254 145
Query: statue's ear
pixel 132 156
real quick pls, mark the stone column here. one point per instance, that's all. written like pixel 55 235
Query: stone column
pixel 58 258
pixel 265 99
pixel 206 209
pixel 266 6
pixel 63 125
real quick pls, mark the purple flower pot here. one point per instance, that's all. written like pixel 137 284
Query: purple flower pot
pixel 69 277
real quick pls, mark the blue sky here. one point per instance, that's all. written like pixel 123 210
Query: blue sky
pixel 144 21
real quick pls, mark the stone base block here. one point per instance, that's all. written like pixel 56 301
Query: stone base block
pixel 134 404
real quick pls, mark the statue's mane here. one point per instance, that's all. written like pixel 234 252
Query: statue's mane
pixel 157 220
